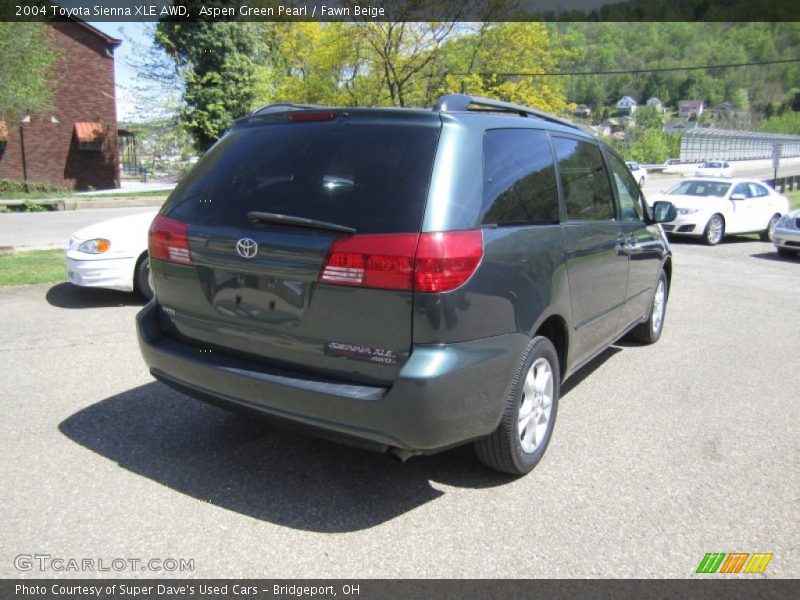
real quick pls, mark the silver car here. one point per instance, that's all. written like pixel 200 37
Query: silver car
pixel 786 235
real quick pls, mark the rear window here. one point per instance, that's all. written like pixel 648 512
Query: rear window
pixel 371 177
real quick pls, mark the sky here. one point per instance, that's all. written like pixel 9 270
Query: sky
pixel 132 34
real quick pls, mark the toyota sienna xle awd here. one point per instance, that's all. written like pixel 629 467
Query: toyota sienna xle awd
pixel 406 280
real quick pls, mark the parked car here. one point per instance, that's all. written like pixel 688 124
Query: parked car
pixel 638 171
pixel 786 235
pixel 468 263
pixel 714 168
pixel 711 208
pixel 112 254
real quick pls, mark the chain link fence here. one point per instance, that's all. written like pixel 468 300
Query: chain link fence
pixel 719 144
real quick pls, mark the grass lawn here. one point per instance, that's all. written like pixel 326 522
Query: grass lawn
pixel 33 196
pixel 32 266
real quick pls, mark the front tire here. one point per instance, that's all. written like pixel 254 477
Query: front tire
pixel 520 441
pixel 715 230
pixel 143 283
pixel 766 235
pixel 649 331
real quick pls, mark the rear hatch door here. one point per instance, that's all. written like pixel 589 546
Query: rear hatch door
pixel 263 208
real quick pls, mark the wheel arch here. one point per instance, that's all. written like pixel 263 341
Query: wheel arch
pixel 139 260
pixel 667 268
pixel 554 328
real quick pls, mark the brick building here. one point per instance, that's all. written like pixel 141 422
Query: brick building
pixel 74 144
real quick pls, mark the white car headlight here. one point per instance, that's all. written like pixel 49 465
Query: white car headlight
pixel 95 246
pixel 688 211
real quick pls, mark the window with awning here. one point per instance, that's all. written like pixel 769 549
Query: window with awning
pixel 89 135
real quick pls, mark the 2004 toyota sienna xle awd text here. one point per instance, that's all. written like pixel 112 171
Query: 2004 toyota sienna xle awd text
pixel 405 280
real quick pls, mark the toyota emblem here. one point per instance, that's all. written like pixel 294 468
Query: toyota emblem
pixel 246 248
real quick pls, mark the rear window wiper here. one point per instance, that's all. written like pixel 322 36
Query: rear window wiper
pixel 297 221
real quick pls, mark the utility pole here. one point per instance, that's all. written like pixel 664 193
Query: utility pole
pixel 776 161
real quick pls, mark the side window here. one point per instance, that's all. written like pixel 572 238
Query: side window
pixel 627 190
pixel 587 191
pixel 741 189
pixel 519 178
pixel 757 191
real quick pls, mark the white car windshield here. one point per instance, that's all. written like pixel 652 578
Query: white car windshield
pixel 711 165
pixel 700 188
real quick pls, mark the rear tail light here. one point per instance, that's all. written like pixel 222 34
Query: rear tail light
pixel 375 261
pixel 168 240
pixel 427 262
pixel 446 260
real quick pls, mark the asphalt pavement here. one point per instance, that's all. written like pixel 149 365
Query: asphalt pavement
pixel 660 454
pixel 53 229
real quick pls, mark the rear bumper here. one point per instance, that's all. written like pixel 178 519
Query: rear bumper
pixel 444 395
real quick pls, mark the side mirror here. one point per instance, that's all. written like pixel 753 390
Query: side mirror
pixel 664 211
pixel 737 196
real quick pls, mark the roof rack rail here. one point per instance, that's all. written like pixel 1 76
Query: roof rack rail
pixel 463 102
pixel 277 107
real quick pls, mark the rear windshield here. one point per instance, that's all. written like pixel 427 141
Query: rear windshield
pixel 371 177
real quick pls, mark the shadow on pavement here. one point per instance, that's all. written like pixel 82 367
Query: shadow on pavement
pixel 774 257
pixel 686 240
pixel 590 367
pixel 250 467
pixel 66 295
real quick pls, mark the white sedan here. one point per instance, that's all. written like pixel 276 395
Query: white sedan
pixel 112 254
pixel 638 171
pixel 714 168
pixel 786 236
pixel 711 208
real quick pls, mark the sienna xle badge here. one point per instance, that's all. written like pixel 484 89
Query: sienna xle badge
pixel 405 280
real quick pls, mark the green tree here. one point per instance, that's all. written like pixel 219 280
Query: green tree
pixel 788 122
pixel 502 60
pixel 216 61
pixel 26 69
pixel 648 117
pixel 740 99
pixel 408 64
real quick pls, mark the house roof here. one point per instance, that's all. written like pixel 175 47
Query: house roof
pixel 628 98
pixel 653 100
pixel 111 41
pixel 690 103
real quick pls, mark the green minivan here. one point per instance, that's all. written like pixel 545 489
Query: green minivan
pixel 404 280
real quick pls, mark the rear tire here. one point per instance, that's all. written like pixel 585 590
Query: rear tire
pixel 766 235
pixel 141 279
pixel 520 441
pixel 649 331
pixel 715 230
